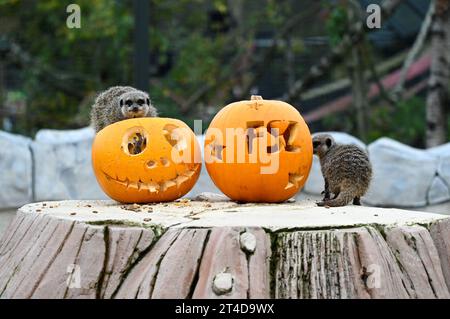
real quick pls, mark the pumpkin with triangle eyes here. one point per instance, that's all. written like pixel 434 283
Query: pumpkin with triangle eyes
pixel 146 160
pixel 258 150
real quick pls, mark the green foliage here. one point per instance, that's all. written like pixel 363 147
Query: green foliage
pixel 66 64
pixel 193 56
pixel 337 24
pixel 405 122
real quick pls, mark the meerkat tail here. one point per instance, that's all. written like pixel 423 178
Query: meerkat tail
pixel 346 196
pixel 342 199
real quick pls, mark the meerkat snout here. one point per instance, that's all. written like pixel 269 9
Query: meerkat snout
pixel 134 104
pixel 322 143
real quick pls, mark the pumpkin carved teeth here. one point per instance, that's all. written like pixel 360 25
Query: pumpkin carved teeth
pixel 153 187
pixel 189 173
pixel 180 180
pixel 133 185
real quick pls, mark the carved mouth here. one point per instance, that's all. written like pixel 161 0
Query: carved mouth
pixel 154 187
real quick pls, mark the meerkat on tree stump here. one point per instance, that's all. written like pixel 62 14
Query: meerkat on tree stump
pixel 346 170
pixel 120 103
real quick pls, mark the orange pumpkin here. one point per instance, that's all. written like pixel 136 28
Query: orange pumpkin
pixel 258 150
pixel 146 160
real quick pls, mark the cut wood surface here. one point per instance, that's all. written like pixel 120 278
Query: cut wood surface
pixel 201 249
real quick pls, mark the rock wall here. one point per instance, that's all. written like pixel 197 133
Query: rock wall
pixel 57 165
pixel 63 165
pixel 15 170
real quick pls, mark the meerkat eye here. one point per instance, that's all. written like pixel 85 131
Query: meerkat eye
pixel 316 144
pixel 129 102
pixel 140 101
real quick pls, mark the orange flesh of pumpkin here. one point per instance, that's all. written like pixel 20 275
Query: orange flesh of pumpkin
pixel 146 160
pixel 244 181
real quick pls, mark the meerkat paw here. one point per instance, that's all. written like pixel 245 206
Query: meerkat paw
pixel 326 196
pixel 357 201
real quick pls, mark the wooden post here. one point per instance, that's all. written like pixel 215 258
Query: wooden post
pixel 438 93
pixel 141 44
pixel 101 249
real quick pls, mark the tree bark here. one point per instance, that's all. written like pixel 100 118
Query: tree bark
pixel 438 95
pixel 359 92
pixel 99 249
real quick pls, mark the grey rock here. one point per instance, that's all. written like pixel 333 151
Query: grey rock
pixel 248 242
pixel 204 182
pixel 315 183
pixel 63 163
pixel 222 283
pixel 442 153
pixel 438 192
pixel 15 170
pixel 402 175
pixel 64 136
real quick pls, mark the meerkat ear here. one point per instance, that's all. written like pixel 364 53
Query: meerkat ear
pixel 328 142
pixel 121 102
pixel 148 101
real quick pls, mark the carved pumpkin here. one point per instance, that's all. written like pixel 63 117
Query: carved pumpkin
pixel 146 160
pixel 258 150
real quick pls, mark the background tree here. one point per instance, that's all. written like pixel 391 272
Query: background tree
pixel 438 85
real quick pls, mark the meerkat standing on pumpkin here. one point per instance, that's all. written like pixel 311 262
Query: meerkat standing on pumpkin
pixel 346 169
pixel 120 103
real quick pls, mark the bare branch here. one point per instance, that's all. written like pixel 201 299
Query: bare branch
pixel 354 36
pixel 413 53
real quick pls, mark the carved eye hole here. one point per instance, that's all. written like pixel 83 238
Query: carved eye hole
pixel 129 102
pixel 174 135
pixel 135 141
pixel 140 101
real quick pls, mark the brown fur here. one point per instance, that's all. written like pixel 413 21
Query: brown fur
pixel 110 106
pixel 346 169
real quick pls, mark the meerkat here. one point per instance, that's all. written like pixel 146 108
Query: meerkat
pixel 120 103
pixel 346 170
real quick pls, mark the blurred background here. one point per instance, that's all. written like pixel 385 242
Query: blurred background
pixel 199 55
pixel 378 73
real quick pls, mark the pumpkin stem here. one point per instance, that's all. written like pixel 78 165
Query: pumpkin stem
pixel 256 97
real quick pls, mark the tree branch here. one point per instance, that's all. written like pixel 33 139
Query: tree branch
pixel 416 48
pixel 354 36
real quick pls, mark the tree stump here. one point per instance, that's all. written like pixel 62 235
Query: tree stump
pixel 193 249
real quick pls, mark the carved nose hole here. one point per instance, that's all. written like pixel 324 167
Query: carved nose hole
pixel 164 161
pixel 168 131
pixel 151 164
